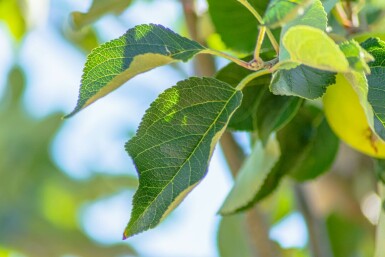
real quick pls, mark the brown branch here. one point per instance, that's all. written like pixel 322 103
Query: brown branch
pixel 318 240
pixel 233 153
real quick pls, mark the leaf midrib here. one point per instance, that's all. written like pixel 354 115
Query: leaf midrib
pixel 186 161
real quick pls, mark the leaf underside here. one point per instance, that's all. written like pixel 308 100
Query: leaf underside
pixel 173 145
pixel 140 49
pixel 251 176
pixel 300 141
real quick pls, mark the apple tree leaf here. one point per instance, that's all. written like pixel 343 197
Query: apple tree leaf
pixel 376 85
pixel 140 49
pixel 323 54
pixel 251 176
pixel 302 81
pixel 173 145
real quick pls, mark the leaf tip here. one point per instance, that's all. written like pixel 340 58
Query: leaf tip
pixel 76 110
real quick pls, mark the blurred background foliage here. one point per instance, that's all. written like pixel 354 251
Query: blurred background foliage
pixel 41 204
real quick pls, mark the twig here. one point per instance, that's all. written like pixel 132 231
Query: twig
pixel 272 39
pixel 250 77
pixel 261 36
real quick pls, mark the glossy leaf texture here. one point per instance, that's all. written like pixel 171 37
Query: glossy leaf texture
pixel 279 12
pixel 173 145
pixel 302 81
pixel 260 111
pixel 140 49
pixel 376 94
pixel 323 54
pixel 237 27
pixel 251 176
pixel 307 134
pixel 98 9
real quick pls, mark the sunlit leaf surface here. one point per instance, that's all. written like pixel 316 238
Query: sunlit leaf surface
pixel 139 50
pixel 174 143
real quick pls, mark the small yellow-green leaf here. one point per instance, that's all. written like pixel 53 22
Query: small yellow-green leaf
pixel 314 48
pixel 139 50
pixel 315 16
pixel 252 176
pixel 174 143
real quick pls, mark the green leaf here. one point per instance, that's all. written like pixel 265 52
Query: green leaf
pixel 379 168
pixel 319 154
pixel 251 176
pixel 232 237
pixel 139 50
pixel 313 47
pixel 245 116
pixel 173 146
pixel 302 81
pixel 296 141
pixel 98 9
pixel 279 12
pixel 376 91
pixel 274 112
pixel 260 109
pixel 314 16
pixel 356 56
pixel 237 27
